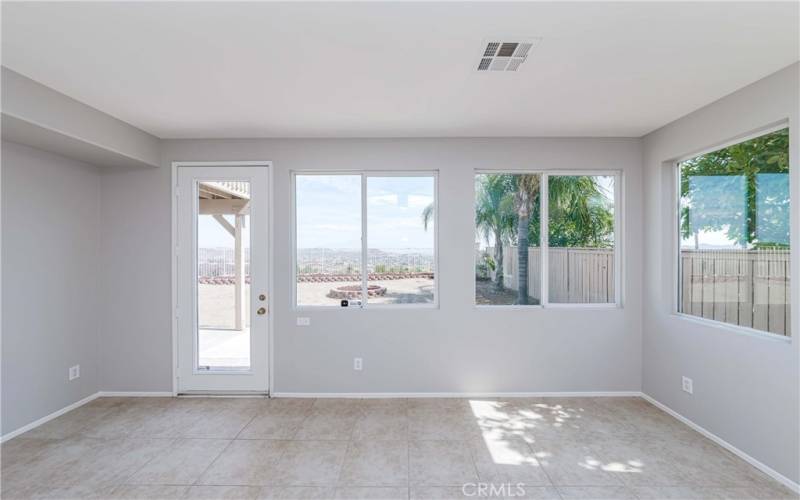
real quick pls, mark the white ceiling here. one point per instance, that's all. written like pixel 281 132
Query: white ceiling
pixel 198 69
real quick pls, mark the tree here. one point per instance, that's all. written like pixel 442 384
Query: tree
pixel 731 190
pixel 494 215
pixel 526 195
pixel 427 216
pixel 580 213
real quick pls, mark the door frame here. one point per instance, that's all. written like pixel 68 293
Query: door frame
pixel 174 258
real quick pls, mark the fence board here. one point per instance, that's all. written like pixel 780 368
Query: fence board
pixel 776 291
pixel 708 286
pixel 731 290
pixel 745 292
pixel 721 279
pixel 696 283
pixel 686 286
pixel 761 294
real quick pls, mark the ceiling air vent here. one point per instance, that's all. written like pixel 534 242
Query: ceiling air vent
pixel 505 56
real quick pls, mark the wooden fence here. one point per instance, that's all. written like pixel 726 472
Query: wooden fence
pixel 742 287
pixel 577 275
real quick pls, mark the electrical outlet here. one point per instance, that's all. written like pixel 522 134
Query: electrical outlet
pixel 74 372
pixel 687 385
pixel 303 321
pixel 358 364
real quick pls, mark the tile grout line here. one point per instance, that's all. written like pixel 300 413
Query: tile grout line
pixel 199 476
pixel 346 452
pixel 544 469
pixel 130 476
pixel 245 426
pixel 307 415
pixel 285 448
pixel 341 465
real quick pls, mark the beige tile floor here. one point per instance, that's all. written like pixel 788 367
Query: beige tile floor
pixel 548 448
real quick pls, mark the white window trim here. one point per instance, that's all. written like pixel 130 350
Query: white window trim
pixel 365 174
pixel 619 242
pixel 676 240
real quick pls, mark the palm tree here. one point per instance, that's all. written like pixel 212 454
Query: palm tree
pixel 427 216
pixel 526 193
pixel 578 212
pixel 493 215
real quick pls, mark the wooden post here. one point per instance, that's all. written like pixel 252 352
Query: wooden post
pixel 239 270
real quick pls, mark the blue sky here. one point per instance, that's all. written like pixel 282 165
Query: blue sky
pixel 329 214
pixel 210 234
pixel 329 211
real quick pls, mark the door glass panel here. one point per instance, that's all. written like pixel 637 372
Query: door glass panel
pixel 223 280
pixel 328 212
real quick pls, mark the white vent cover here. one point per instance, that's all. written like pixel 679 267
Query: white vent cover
pixel 505 54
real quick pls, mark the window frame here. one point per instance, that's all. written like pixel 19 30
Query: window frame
pixel 677 273
pixel 364 175
pixel 544 243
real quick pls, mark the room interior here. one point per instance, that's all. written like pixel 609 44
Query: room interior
pixel 400 250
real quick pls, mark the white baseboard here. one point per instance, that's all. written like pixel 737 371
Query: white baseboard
pixel 736 451
pixel 135 394
pixel 45 419
pixel 368 395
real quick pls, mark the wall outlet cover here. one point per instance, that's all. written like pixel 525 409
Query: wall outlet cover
pixel 358 364
pixel 303 321
pixel 687 385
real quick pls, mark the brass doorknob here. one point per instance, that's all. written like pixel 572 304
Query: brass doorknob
pixel 261 310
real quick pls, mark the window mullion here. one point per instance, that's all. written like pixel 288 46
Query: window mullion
pixel 678 292
pixel 618 244
pixel 364 274
pixel 544 241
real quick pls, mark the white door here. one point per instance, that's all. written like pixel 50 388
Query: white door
pixel 222 265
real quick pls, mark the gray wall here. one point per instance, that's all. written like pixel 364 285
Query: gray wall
pixel 50 237
pixel 746 387
pixel 454 348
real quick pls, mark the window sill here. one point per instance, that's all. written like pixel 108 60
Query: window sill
pixel 374 307
pixel 507 307
pixel 736 329
pixel 549 306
